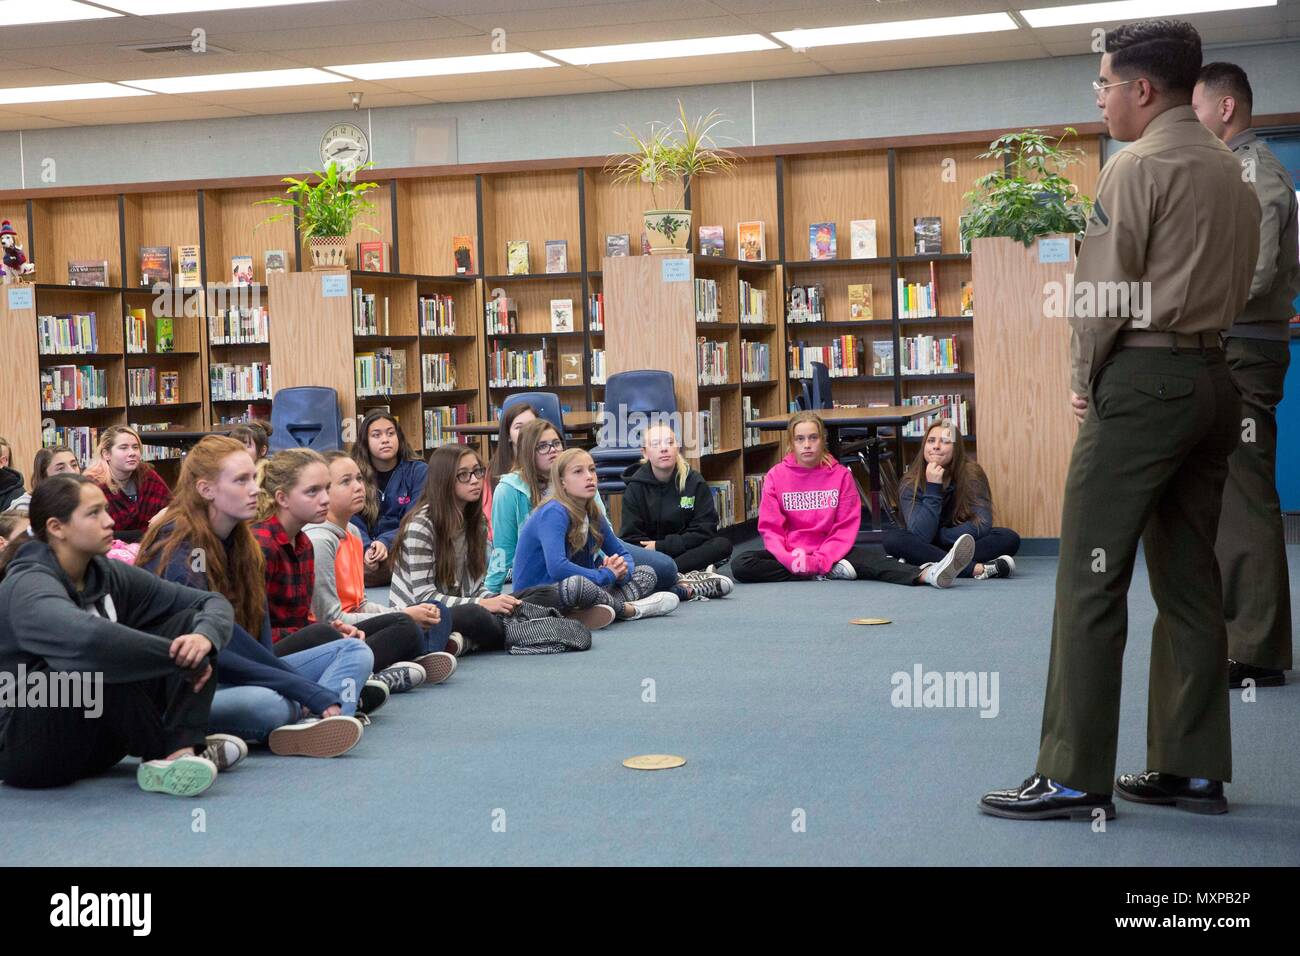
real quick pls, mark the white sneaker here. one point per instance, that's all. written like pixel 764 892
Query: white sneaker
pixel 455 644
pixel 842 571
pixel 656 605
pixel 941 574
pixel 186 776
pixel 225 750
pixel 438 666
pixel 317 737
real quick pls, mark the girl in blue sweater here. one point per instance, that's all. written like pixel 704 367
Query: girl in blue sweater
pixel 942 496
pixel 559 542
pixel 394 475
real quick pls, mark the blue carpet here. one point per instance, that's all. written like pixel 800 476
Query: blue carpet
pixel 778 704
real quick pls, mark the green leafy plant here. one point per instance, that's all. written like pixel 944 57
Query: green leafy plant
pixel 670 155
pixel 1029 197
pixel 328 207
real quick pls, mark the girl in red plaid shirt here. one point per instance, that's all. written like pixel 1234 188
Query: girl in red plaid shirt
pixel 134 491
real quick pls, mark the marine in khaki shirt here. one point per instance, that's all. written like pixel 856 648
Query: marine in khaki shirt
pixel 1155 252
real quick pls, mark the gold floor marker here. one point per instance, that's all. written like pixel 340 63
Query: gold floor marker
pixel 871 620
pixel 654 762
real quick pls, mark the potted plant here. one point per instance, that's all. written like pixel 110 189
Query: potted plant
pixel 325 210
pixel 668 158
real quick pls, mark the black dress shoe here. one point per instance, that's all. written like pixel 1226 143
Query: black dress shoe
pixel 1262 676
pixel 1186 793
pixel 1041 798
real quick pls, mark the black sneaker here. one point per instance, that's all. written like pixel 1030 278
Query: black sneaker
pixel 1041 798
pixel 374 694
pixel 1194 794
pixel 1000 567
pixel 1238 672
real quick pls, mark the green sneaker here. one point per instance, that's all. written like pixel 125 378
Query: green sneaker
pixel 186 776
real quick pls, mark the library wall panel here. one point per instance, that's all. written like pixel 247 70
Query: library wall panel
pixel 76 227
pixel 838 188
pixel 532 206
pixel 931 181
pixel 233 227
pixel 745 194
pixel 430 214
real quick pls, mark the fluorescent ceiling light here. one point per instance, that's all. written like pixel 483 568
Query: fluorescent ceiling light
pixel 663 49
pixel 1131 10
pixel 897 30
pixel 14 13
pixel 444 66
pixel 212 82
pixel 157 8
pixel 66 91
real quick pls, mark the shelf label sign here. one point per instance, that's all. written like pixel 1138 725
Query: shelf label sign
pixel 334 285
pixel 1053 250
pixel 20 297
pixel 677 270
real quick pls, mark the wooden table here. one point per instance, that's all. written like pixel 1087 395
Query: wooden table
pixel 868 418
pixel 573 422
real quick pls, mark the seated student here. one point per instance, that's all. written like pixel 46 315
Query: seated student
pixel 523 489
pixel 943 496
pixel 504 455
pixel 135 492
pixel 559 542
pixel 667 508
pixel 295 491
pixel 339 593
pixel 254 437
pixel 13 523
pixel 809 518
pixel 11 482
pixel 55 460
pixel 394 474
pixel 205 542
pixel 64 608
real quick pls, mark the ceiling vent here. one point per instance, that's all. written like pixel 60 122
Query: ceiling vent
pixel 183 47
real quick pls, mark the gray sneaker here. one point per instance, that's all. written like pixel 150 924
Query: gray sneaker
pixel 402 676
pixel 942 573
pixel 225 750
pixel 707 584
pixel 842 571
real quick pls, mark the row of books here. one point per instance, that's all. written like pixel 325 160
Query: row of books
pixel 928 355
pixel 596 311
pixel 724 500
pixel 437 315
pixel 751 244
pixel 251 413
pixel 367 316
pixel 154 452
pixel 918 300
pixel 557 256
pixel 381 372
pixel 438 422
pixel 753 303
pixel 230 382
pixel 862 234
pixel 753 494
pixel 955 408
pixel 71 388
pixel 706 300
pixel 805 303
pixel 148 386
pixel 82 440
pixel 156 266
pixel 749 411
pixel 502 316
pixel 710 427
pixel 137 333
pixel 239 327
pixel 511 368
pixel 72 334
pixel 437 372
pixel 840 356
pixel 755 362
pixel 713 360
pixel 598 367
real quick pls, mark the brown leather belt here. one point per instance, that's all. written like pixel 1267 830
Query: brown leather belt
pixel 1133 338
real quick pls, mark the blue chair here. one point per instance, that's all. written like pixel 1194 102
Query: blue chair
pixel 307 416
pixel 855 445
pixel 546 404
pixel 638 396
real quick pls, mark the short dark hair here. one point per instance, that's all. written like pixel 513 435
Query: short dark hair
pixel 1228 79
pixel 1168 52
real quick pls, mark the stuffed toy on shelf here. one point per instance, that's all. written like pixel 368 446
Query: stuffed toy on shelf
pixel 16 266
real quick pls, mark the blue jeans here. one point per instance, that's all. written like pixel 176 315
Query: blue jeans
pixel 252 712
pixel 435 637
pixel 665 567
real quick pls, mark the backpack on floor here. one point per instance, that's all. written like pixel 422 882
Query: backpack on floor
pixel 533 629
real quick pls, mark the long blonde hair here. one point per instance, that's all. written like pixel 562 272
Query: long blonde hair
pixel 281 473
pixel 99 470
pixel 584 516
pixel 683 469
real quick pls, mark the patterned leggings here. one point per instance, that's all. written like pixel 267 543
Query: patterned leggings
pixel 579 592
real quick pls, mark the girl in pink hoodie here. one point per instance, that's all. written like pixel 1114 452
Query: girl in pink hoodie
pixel 809 519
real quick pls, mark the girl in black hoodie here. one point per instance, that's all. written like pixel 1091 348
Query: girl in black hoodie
pixel 667 507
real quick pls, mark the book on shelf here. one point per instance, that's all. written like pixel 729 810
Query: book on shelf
pixel 398 359
pixel 437 372
pixel 618 244
pixel 596 311
pixel 862 239
pixel 955 408
pixel 253 412
pixel 74 334
pixel 88 272
pixel 437 314
pixel 821 240
pixel 241 270
pixel 713 361
pixel 381 372
pixel 749 241
pixel 71 388
pixel 137 331
pixel 748 412
pixel 155 265
pixel 805 304
pixel 517 257
pixel 232 382
pixel 169 388
pixel 968 298
pixel 710 427
pixel 569 358
pixel 753 494
pixel 645 243
pixel 706 300
pixel 929 355
pixel 753 304
pixel 368 317
pixel 150 452
pixel 188 275
pixel 918 300
pixel 755 362
pixel 557 256
pixel 275 260
pixel 517 368
pixel 81 440
pixel 438 422
pixel 598 373
pixel 840 356
pixel 882 357
pixel 928 235
pixel 860 302
pixel 165 334
pixel 141 386
pixel 712 241
pixel 502 315
pixel 961 233
pixel 238 327
pixel 462 254
pixel 373 256
pixel 724 500
pixel 561 315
